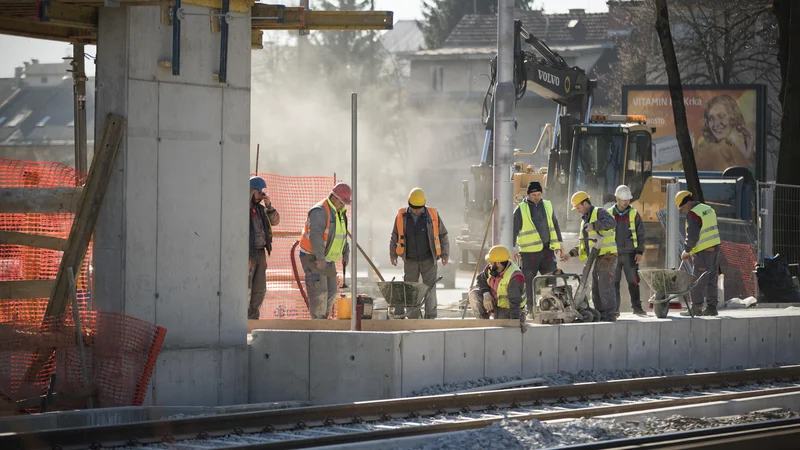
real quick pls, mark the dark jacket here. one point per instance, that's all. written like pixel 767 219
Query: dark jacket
pixel 605 222
pixel 516 290
pixel 624 236
pixel 539 220
pixel 269 217
pixel 444 241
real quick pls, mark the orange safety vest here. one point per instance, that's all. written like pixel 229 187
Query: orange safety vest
pixel 401 230
pixel 305 239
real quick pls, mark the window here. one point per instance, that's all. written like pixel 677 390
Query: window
pixel 18 119
pixel 640 163
pixel 437 79
pixel 43 121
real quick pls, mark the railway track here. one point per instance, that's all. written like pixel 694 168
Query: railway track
pixel 389 419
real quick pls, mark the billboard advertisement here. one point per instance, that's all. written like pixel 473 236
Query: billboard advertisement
pixel 726 125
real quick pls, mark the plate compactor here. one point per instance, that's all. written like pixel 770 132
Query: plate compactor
pixel 557 303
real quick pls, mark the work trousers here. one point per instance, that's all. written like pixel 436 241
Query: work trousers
pixel 479 311
pixel 706 289
pixel 412 271
pixel 542 263
pixel 321 286
pixel 626 263
pixel 603 295
pixel 256 282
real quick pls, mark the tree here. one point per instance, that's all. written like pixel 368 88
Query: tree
pixel 788 16
pixel 676 94
pixel 442 16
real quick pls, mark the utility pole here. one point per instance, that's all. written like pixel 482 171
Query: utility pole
pixel 79 107
pixel 505 106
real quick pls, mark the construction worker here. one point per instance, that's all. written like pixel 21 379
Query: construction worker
pixel 702 244
pixel 420 238
pixel 597 230
pixel 537 235
pixel 500 288
pixel 262 218
pixel 630 246
pixel 324 242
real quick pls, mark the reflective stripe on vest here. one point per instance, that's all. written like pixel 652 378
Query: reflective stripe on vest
pixel 528 239
pixel 632 221
pixel 607 243
pixel 400 223
pixel 709 231
pixel 502 288
pixel 334 253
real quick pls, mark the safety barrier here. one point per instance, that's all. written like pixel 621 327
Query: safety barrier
pixel 292 196
pixel 779 212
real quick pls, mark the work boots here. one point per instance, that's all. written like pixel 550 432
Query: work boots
pixel 637 309
pixel 711 310
pixel 697 310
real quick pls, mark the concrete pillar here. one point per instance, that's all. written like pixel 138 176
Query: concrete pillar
pixel 171 241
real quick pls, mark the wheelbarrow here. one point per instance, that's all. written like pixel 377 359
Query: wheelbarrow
pixel 668 284
pixel 408 296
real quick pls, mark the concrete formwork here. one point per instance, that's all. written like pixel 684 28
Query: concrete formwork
pixel 171 241
pixel 354 366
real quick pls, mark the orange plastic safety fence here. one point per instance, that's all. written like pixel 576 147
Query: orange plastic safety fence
pixel 292 196
pixel 738 263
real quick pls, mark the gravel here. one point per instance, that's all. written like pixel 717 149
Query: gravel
pixel 533 434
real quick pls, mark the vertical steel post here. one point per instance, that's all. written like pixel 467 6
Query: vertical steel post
pixel 767 214
pixel 505 105
pixel 353 215
pixel 672 259
pixel 79 104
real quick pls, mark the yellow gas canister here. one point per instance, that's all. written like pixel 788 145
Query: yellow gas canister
pixel 343 306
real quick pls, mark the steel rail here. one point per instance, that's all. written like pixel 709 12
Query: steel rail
pixel 300 418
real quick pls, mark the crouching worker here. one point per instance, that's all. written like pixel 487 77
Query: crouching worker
pixel 500 288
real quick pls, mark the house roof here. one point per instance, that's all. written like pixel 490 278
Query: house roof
pixel 405 37
pixel 48 69
pixel 555 29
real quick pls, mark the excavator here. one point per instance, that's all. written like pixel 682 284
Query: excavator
pixel 592 153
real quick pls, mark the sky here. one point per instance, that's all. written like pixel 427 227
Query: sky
pixel 16 50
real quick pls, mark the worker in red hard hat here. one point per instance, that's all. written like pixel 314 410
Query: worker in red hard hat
pixel 324 242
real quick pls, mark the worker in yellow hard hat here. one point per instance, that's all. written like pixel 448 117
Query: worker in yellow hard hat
pixel 702 244
pixel 598 231
pixel 419 237
pixel 500 288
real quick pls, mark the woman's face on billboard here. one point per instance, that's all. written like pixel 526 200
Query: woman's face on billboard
pixel 719 122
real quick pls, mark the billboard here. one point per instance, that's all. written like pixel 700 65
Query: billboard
pixel 726 125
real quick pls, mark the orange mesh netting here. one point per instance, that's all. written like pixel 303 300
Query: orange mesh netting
pixel 292 197
pixel 738 263
pixel 121 350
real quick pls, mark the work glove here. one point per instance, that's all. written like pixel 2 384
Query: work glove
pixel 488 301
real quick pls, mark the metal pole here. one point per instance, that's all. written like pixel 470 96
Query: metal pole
pixel 353 215
pixel 673 217
pixel 79 91
pixel 767 211
pixel 505 104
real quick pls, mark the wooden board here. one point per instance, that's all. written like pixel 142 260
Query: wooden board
pixel 378 325
pixel 40 200
pixel 12 290
pixel 33 240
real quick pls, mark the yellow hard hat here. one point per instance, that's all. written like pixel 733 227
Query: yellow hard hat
pixel 578 198
pixel 680 196
pixel 498 253
pixel 416 198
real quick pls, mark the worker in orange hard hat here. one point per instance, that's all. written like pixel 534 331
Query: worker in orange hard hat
pixel 324 242
pixel 702 244
pixel 499 289
pixel 419 237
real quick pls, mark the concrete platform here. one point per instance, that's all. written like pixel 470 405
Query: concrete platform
pixel 323 367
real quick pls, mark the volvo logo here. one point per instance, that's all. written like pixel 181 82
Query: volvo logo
pixel 549 78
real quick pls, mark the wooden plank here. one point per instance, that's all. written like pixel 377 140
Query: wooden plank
pixel 26 289
pixel 58 397
pixel 76 318
pixel 40 200
pixel 378 325
pixel 83 225
pixel 38 30
pixel 33 240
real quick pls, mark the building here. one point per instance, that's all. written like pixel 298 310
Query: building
pixel 37 113
pixel 448 86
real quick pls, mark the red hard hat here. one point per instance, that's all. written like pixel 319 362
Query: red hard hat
pixel 343 192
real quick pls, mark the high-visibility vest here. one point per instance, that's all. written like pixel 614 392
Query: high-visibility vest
pixel 335 251
pixel 502 287
pixel 607 242
pixel 709 231
pixel 632 220
pixel 528 239
pixel 401 230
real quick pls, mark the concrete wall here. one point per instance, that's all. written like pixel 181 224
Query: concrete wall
pixel 171 240
pixel 326 367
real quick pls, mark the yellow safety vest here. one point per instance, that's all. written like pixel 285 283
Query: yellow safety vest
pixel 502 288
pixel 528 239
pixel 632 220
pixel 709 231
pixel 607 243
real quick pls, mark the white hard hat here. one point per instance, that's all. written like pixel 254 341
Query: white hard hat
pixel 623 192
